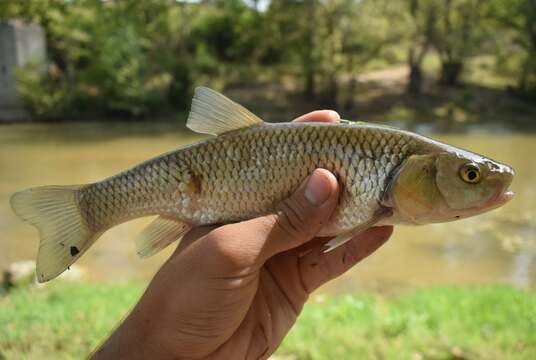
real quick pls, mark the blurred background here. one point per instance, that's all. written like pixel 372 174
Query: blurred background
pixel 90 88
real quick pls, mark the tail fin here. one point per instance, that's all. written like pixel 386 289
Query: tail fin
pixel 65 234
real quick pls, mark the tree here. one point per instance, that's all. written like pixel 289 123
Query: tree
pixel 456 36
pixel 519 18
pixel 423 16
pixel 296 26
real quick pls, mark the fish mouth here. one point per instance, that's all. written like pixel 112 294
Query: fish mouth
pixel 500 198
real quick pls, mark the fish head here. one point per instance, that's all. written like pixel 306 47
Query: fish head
pixel 448 185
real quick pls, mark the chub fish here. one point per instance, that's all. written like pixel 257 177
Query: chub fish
pixel 386 175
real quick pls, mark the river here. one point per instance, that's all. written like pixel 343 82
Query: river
pixel 498 247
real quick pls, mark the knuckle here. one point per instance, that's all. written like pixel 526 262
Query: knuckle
pixel 325 268
pixel 316 269
pixel 291 220
pixel 268 222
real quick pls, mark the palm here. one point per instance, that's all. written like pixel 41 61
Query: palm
pixel 247 313
pixel 243 312
pixel 276 298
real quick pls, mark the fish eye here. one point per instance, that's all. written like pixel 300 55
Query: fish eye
pixel 470 173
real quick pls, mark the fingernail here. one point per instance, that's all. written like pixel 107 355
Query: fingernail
pixel 334 115
pixel 317 189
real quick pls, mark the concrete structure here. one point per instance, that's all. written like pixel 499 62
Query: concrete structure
pixel 20 44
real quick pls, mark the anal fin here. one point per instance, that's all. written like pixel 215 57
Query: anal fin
pixel 341 239
pixel 159 234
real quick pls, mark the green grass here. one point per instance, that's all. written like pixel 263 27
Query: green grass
pixel 61 320
pixel 494 322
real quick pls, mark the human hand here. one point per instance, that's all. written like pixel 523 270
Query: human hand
pixel 234 291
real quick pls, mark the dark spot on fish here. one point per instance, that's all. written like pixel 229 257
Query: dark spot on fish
pixel 68 268
pixel 344 258
pixel 194 185
pixel 74 250
pixel 457 216
pixel 197 182
pixel 314 264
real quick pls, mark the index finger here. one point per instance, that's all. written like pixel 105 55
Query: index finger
pixel 318 267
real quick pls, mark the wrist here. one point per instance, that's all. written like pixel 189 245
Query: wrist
pixel 133 339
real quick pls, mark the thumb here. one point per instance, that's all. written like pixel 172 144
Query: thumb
pixel 299 218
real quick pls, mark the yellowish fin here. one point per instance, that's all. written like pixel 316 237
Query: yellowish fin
pixel 212 113
pixel 159 234
pixel 64 233
pixel 343 238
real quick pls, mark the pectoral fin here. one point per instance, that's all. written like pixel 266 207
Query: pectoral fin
pixel 339 240
pixel 159 234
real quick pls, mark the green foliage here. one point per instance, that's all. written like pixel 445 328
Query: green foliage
pixel 454 28
pixel 104 60
pixel 457 28
pixel 324 39
pixel 134 58
pixel 517 20
pixel 123 58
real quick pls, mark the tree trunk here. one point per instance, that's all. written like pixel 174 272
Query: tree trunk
pixel 310 84
pixel 419 50
pixel 522 83
pixel 450 73
pixel 352 86
pixel 329 96
pixel 415 79
pixel 309 56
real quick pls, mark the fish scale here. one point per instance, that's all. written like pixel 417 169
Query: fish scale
pixel 252 179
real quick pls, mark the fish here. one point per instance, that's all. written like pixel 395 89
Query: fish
pixel 387 176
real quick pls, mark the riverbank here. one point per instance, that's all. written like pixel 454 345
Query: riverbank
pixel 484 100
pixel 67 320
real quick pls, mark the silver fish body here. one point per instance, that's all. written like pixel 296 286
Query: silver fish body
pixel 248 172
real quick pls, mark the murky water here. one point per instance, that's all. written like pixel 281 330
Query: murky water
pixel 495 247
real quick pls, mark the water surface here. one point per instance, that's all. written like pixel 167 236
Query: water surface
pixel 496 247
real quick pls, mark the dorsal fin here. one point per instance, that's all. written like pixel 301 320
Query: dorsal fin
pixel 214 114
